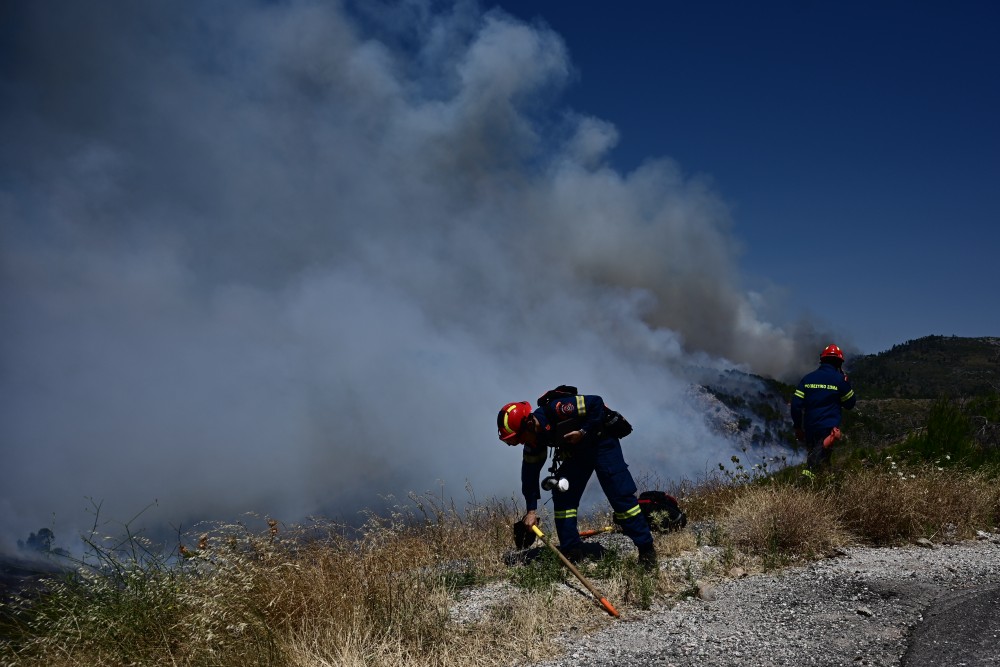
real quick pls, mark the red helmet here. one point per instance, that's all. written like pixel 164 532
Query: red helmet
pixel 511 420
pixel 831 351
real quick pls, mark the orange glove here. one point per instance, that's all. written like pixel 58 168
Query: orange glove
pixel 834 436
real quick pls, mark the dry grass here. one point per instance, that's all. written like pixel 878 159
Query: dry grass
pixel 784 522
pixel 892 503
pixel 710 498
pixel 325 595
pixel 314 595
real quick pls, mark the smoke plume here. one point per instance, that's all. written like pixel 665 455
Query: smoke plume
pixel 291 257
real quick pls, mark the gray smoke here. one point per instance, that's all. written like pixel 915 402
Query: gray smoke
pixel 283 258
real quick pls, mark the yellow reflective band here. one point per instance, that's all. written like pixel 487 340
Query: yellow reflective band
pixel 581 406
pixel 800 393
pixel 848 395
pixel 831 387
pixel 635 511
pixel 506 416
pixel 565 514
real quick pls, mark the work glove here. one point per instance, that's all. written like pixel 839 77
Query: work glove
pixel 524 537
pixel 834 436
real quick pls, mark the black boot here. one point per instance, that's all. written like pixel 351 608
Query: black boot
pixel 647 558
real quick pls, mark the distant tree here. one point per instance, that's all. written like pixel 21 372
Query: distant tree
pixel 42 541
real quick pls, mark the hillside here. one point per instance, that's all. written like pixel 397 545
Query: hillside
pixel 896 389
pixel 930 367
pixel 944 380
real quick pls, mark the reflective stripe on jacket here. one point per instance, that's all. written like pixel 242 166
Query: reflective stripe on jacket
pixel 819 399
pixel 557 418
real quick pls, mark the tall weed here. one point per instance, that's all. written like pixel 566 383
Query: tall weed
pixel 784 522
pixel 381 595
pixel 894 502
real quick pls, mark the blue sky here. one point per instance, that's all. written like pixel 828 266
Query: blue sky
pixel 857 144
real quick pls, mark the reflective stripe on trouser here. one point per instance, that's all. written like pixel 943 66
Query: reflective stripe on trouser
pixel 566 526
pixel 619 487
pixel 622 516
pixel 607 461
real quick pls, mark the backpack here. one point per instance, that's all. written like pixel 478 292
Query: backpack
pixel 662 512
pixel 615 425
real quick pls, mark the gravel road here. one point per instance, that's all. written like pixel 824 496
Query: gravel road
pixel 906 606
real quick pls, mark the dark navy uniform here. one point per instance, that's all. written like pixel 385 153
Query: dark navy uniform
pixel 817 408
pixel 595 453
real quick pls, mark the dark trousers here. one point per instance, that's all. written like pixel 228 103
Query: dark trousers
pixel 817 456
pixel 606 459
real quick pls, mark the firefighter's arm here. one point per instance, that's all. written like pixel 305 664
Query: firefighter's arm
pixel 847 398
pixel 590 418
pixel 531 467
pixel 795 408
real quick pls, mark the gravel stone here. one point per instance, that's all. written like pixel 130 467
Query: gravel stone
pixel 857 608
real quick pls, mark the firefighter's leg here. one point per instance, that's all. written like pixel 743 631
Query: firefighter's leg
pixel 619 487
pixel 818 457
pixel 565 504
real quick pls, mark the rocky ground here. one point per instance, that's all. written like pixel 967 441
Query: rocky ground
pixel 867 606
pixel 860 608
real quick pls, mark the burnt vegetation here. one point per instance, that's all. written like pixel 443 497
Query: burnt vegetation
pixel 760 405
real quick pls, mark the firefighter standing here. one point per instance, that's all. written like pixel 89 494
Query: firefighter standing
pixel 817 405
pixel 573 424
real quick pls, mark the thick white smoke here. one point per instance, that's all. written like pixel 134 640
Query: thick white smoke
pixel 272 257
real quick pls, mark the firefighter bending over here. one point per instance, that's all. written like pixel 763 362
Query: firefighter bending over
pixel 579 428
pixel 817 407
